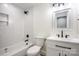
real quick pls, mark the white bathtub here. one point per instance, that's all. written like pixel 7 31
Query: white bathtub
pixel 16 50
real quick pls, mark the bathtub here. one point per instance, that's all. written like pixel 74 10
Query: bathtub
pixel 16 50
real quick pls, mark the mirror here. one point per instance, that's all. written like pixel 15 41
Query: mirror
pixel 62 18
pixel 62 22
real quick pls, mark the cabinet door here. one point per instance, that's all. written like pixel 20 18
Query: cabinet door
pixel 53 52
pixel 65 53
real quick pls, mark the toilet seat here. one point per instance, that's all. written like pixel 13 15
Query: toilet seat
pixel 33 50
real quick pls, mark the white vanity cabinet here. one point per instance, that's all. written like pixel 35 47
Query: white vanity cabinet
pixel 58 48
pixel 51 50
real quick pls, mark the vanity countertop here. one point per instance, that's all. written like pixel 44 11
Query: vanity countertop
pixel 70 40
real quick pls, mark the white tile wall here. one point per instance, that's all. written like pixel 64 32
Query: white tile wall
pixel 19 25
pixel 14 32
pixel 42 20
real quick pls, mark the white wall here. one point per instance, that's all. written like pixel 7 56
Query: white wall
pixel 75 9
pixel 42 22
pixel 14 32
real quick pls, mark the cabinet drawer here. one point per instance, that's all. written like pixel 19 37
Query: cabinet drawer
pixel 62 45
pixel 59 45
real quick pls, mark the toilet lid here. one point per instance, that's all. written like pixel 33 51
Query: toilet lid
pixel 33 50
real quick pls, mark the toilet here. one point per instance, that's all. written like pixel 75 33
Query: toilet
pixel 35 49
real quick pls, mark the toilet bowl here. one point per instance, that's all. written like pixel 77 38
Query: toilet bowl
pixel 33 51
pixel 36 48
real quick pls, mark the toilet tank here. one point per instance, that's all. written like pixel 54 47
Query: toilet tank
pixel 39 40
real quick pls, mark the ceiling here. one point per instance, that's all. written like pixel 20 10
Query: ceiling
pixel 25 5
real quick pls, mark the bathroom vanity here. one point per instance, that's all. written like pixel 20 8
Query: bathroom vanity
pixel 62 47
pixel 62 44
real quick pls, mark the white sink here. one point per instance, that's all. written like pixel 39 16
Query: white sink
pixel 71 40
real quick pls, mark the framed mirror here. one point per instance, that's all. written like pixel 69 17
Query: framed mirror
pixel 62 18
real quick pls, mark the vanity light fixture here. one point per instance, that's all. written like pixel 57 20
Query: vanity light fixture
pixel 58 4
